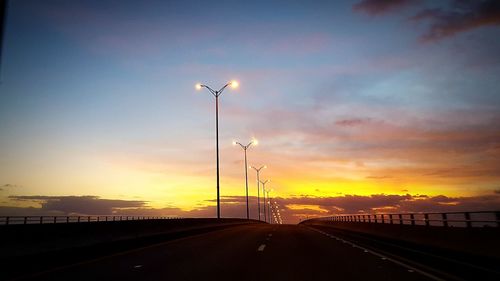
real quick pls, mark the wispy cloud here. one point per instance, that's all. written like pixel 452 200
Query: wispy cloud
pixel 377 7
pixel 459 17
pixel 445 21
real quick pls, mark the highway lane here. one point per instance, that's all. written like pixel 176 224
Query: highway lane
pixel 246 252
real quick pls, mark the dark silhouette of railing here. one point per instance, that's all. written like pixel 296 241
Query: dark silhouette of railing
pixel 449 219
pixel 8 220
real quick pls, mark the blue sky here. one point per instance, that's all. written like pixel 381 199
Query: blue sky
pixel 97 97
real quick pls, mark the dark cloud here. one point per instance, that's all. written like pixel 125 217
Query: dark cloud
pixel 445 21
pixel 7 185
pixel 90 205
pixel 377 7
pixel 460 17
pixel 292 209
pixel 350 122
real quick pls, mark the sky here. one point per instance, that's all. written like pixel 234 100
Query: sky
pixel 359 106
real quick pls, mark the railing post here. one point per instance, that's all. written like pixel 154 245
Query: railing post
pixel 426 219
pixel 78 219
pixel 467 218
pixel 7 220
pixel 369 218
pixel 25 220
pixel 41 219
pixel 401 219
pixel 444 217
pixel 382 218
pixel 497 216
pixel 55 219
pixel 412 218
pixel 375 218
pixel 88 218
pixel 390 219
pixel 67 219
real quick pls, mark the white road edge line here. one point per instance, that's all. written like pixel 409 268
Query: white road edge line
pixel 407 266
pixel 261 248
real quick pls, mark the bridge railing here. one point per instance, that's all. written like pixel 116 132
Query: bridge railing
pixel 9 220
pixel 448 219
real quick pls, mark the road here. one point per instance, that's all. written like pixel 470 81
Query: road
pixel 246 252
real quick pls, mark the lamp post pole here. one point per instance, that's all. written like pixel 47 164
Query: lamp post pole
pixel 216 94
pixel 258 186
pixel 245 147
pixel 264 195
pixel 269 205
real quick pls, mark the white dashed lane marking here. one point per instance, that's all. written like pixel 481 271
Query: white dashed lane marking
pixel 261 248
pixel 409 267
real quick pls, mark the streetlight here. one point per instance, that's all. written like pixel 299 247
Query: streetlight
pixel 216 94
pixel 245 147
pixel 258 185
pixel 264 194
pixel 269 205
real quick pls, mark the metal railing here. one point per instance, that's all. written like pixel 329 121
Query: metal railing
pixel 449 219
pixel 9 220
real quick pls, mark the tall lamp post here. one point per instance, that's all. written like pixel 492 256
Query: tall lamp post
pixel 264 195
pixel 269 205
pixel 245 147
pixel 258 186
pixel 216 94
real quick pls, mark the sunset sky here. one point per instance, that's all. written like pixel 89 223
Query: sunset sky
pixel 358 106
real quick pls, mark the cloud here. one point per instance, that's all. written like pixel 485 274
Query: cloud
pixel 90 205
pixel 445 21
pixel 378 177
pixel 9 185
pixel 461 16
pixel 350 122
pixel 292 209
pixel 377 7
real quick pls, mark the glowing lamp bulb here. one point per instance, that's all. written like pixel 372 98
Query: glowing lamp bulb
pixel 255 142
pixel 234 84
pixel 198 86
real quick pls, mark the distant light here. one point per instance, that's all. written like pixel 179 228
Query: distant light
pixel 198 86
pixel 265 166
pixel 255 142
pixel 234 84
pixel 235 143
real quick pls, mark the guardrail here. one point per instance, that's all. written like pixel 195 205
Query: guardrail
pixel 9 220
pixel 449 219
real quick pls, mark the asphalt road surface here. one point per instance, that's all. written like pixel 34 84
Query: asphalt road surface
pixel 246 252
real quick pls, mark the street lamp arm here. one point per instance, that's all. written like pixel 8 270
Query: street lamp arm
pixel 219 92
pixel 212 91
pixel 242 146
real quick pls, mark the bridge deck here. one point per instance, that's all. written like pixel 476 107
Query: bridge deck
pixel 246 252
